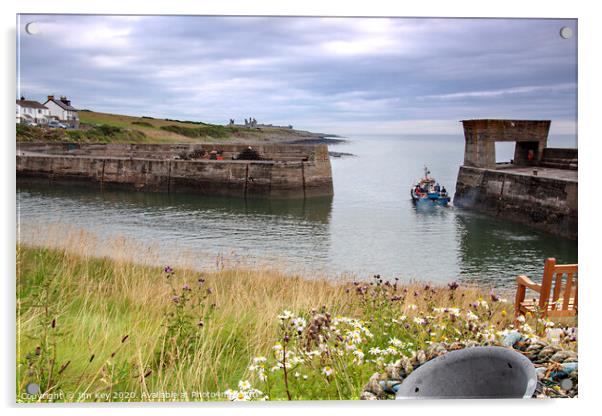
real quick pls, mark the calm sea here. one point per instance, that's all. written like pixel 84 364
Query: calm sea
pixel 370 226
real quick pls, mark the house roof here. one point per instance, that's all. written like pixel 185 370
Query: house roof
pixel 62 105
pixel 31 104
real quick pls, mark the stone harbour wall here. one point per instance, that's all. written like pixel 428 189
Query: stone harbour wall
pixel 548 204
pixel 287 171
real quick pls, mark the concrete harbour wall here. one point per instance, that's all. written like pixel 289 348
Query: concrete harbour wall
pixel 285 171
pixel 545 203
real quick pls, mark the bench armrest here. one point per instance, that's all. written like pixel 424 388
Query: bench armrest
pixel 525 281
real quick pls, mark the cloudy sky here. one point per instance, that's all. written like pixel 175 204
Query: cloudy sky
pixel 335 75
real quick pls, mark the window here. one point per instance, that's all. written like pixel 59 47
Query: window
pixel 504 152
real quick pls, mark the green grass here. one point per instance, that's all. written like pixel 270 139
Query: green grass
pixel 164 130
pixel 94 327
pixel 218 132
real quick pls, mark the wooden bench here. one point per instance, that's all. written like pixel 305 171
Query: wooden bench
pixel 557 294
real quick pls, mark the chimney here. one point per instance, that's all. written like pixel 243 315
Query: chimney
pixel 50 97
pixel 65 100
pixel 22 98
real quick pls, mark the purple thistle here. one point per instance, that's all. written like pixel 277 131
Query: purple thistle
pixel 186 287
pixel 453 285
pixel 494 297
pixel 209 291
pixel 176 299
pixel 168 270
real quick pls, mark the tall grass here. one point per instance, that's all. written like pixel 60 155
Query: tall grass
pixel 99 329
pixel 96 302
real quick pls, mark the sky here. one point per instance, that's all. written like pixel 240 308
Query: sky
pixel 333 75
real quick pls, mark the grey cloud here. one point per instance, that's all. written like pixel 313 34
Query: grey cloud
pixel 304 71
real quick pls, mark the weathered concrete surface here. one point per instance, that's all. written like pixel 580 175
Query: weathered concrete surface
pixel 287 171
pixel 538 188
pixel 559 158
pixel 482 134
pixel 547 201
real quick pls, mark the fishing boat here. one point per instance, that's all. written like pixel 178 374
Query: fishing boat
pixel 428 191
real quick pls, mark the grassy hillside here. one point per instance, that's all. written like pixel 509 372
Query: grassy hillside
pixel 115 128
pixel 165 131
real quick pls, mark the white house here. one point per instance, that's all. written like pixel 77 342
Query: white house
pixel 62 110
pixel 29 111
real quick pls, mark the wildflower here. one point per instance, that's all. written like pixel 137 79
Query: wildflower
pixel 244 385
pixel 175 299
pixel 277 347
pixel 186 287
pixel 241 396
pixel 453 285
pixel 494 297
pixel 200 323
pixel 471 316
pixel 299 324
pixel 209 291
pixel 420 321
pixel 285 315
pixel 396 342
pixel 375 351
pixel 358 357
pixel 521 319
pixel 201 280
pixel 259 360
pixel 327 371
pixel 412 307
pixel 504 313
pixel 168 270
pixel 391 351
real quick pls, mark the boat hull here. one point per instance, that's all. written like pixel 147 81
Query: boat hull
pixel 430 199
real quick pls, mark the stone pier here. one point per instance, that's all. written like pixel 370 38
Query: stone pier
pixel 538 188
pixel 284 171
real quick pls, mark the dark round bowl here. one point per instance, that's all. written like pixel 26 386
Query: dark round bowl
pixel 472 373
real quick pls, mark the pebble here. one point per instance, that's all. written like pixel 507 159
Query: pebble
pixel 543 355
